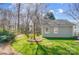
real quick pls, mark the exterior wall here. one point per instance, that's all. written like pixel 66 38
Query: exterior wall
pixel 63 31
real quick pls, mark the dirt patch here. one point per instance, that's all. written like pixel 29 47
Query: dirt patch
pixel 6 49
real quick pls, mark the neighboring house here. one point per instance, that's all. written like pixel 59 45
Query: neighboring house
pixel 57 28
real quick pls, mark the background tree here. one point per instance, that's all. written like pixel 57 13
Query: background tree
pixel 18 15
pixel 5 18
pixel 49 15
pixel 73 12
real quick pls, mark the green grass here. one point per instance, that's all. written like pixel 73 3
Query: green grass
pixel 53 46
pixel 59 38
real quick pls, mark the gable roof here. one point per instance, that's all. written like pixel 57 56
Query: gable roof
pixel 60 22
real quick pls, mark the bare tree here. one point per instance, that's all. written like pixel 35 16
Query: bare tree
pixel 16 16
pixel 5 18
pixel 27 22
pixel 37 20
pixel 36 17
pixel 73 12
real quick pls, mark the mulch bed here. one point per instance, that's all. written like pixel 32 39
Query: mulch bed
pixel 35 40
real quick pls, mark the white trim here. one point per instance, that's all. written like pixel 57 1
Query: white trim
pixel 56 30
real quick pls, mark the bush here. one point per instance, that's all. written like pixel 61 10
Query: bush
pixel 6 36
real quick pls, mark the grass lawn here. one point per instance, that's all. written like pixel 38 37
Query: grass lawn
pixel 48 46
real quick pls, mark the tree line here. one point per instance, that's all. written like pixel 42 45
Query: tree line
pixel 27 18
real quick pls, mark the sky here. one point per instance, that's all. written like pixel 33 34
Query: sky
pixel 57 8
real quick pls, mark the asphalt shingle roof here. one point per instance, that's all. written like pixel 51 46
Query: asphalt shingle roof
pixel 57 22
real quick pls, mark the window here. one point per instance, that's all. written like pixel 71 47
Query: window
pixel 55 30
pixel 46 30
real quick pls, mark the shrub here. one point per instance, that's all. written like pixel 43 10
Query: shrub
pixel 6 36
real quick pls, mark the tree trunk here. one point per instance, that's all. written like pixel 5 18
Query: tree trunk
pixel 34 31
pixel 18 25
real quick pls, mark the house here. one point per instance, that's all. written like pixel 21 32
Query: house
pixel 57 28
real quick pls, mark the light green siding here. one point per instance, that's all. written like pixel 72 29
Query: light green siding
pixel 63 31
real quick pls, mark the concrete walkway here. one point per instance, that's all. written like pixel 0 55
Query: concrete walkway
pixel 6 49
